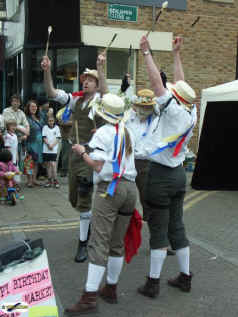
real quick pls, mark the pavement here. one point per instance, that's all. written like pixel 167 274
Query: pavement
pixel 212 226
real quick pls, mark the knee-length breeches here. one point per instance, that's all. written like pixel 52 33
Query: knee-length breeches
pixel 110 219
pixel 165 191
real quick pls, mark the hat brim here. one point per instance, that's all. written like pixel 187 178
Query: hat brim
pixel 112 120
pixel 171 88
pixel 82 77
pixel 145 104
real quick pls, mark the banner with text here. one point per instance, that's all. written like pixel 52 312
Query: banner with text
pixel 26 290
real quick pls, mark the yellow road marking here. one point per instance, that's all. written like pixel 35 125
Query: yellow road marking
pixel 75 225
pixel 22 227
pixel 188 196
pixel 196 200
pixel 31 229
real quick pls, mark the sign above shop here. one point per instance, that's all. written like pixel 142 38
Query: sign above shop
pixel 122 13
pixel 173 4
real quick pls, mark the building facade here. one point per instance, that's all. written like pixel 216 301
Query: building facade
pixel 82 28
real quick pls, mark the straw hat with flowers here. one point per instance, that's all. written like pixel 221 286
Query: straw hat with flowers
pixel 145 97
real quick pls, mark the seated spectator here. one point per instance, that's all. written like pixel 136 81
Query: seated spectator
pixel 6 167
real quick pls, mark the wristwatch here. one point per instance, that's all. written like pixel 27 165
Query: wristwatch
pixel 147 52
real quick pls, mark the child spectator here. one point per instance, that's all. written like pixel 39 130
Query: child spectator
pixel 29 169
pixel 51 136
pixel 6 167
pixel 10 139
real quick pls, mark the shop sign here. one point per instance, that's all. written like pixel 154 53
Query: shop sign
pixel 173 4
pixel 122 13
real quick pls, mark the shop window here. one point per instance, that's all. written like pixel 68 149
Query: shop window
pixel 37 74
pixel 67 69
pixel 117 67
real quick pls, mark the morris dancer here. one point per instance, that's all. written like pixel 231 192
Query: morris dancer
pixel 141 120
pixel 166 183
pixel 80 174
pixel 112 159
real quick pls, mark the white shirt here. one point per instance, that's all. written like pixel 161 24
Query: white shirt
pixel 18 115
pixel 11 142
pixel 52 134
pixel 66 98
pixel 103 144
pixel 140 130
pixel 173 120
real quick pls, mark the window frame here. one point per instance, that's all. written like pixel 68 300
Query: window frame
pixel 117 82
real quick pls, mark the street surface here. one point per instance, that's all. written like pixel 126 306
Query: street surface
pixel 212 226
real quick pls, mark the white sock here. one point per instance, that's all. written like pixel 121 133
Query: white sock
pixel 114 267
pixel 157 258
pixel 85 219
pixel 95 275
pixel 183 256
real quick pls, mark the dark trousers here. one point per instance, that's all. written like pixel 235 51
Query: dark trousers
pixel 164 199
pixel 65 150
pixel 142 171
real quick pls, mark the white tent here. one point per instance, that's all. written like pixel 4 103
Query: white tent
pixel 224 92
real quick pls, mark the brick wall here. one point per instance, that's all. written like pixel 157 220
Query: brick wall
pixel 209 50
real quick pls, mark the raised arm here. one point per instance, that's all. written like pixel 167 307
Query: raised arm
pixel 48 81
pixel 178 67
pixel 102 84
pixel 153 71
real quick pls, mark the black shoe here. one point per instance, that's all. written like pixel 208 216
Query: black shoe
pixel 151 288
pixel 170 252
pixel 82 252
pixel 63 174
pixel 182 281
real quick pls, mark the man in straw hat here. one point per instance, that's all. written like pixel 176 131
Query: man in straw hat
pixel 112 159
pixel 84 124
pixel 142 120
pixel 166 183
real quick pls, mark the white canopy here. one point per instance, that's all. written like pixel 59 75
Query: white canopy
pixel 224 92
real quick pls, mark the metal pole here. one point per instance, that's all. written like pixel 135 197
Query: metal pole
pixel 4 87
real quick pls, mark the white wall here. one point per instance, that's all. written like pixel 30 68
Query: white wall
pixel 101 36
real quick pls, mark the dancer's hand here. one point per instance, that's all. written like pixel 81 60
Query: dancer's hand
pixel 144 44
pixel 45 63
pixel 177 43
pixel 101 60
pixel 78 148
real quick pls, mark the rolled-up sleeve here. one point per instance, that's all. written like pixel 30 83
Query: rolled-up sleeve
pixel 99 147
pixel 65 98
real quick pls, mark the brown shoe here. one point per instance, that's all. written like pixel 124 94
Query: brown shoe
pixel 109 293
pixel 87 304
pixel 151 287
pixel 182 281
